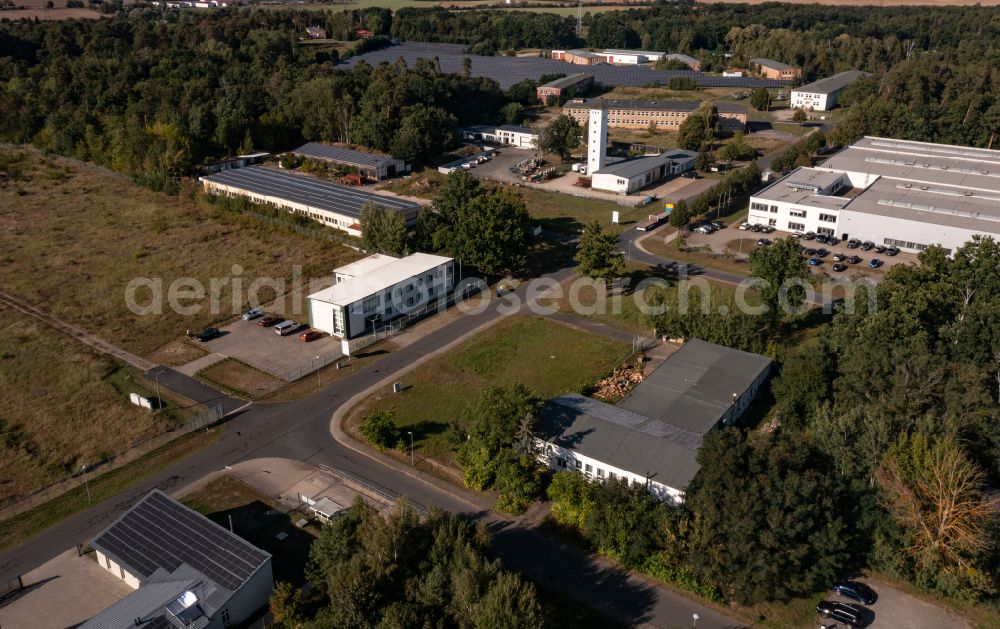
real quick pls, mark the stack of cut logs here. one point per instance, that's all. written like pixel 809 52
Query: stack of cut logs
pixel 619 383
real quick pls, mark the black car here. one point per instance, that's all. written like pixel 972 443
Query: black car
pixel 891 251
pixel 847 614
pixel 832 240
pixel 853 243
pixel 867 245
pixel 853 260
pixel 839 268
pixel 822 238
pixel 879 248
pixel 757 227
pixel 690 174
pixel 809 235
pixel 809 251
pixel 822 253
pixel 208 334
pixel 763 242
pixel 855 591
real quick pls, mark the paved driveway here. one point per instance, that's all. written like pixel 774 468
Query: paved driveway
pixel 896 609
pixel 285 357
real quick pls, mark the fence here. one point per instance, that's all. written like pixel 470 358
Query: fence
pixel 375 488
pixel 88 473
pixel 313 366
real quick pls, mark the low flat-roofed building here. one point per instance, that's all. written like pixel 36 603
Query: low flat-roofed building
pixel 187 570
pixel 667 115
pixel 578 57
pixel 634 173
pixel 822 95
pixel 631 57
pixel 507 135
pixel 370 165
pixel 329 203
pixel 385 290
pixel 652 436
pixel 687 60
pixel 892 192
pixel 774 69
pixel 578 82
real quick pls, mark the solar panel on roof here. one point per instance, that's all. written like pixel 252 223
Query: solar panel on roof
pixel 340 154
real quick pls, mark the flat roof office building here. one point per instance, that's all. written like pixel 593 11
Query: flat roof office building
pixel 893 192
pixel 634 173
pixel 822 95
pixel 667 115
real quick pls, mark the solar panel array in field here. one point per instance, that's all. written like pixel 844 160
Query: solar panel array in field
pixel 510 70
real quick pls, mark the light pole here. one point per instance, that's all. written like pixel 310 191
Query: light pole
pixel 410 432
pixel 694 620
pixel 317 373
pixel 85 483
pixel 156 377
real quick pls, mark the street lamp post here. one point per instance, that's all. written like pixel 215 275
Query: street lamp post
pixel 694 620
pixel 156 377
pixel 410 432
pixel 318 367
pixel 85 483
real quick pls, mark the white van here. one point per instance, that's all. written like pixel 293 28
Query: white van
pixel 285 327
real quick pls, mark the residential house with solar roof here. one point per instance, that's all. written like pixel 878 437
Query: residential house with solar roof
pixel 651 438
pixel 187 571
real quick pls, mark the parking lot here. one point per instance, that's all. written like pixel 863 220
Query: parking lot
pixel 284 357
pixel 895 609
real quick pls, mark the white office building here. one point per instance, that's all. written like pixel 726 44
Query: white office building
pixel 631 57
pixel 893 192
pixel 652 436
pixel 373 291
pixel 632 174
pixel 505 135
pixel 822 95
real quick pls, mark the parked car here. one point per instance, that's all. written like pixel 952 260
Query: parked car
pixel 823 238
pixel 207 334
pixel 848 614
pixel 310 335
pixel 704 229
pixel 689 174
pixel 769 229
pixel 822 253
pixel 763 242
pixel 815 262
pixel 875 263
pixel 891 251
pixel 855 591
pixel 757 227
pixel 718 225
pixel 853 260
pixel 809 235
pixel 745 226
pixel 832 240
pixel 879 248
pixel 839 268
pixel 285 328
pixel 253 313
pixel 867 245
pixel 853 243
pixel 839 257
pixel 809 251
pixel 268 321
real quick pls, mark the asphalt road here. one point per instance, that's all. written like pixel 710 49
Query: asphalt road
pixel 301 430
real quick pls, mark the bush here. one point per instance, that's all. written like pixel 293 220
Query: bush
pixel 379 429
pixel 519 482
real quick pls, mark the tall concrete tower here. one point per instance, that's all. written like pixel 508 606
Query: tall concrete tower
pixel 597 140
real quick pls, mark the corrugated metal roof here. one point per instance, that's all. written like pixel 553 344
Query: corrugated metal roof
pixel 343 155
pixel 658 105
pixel 771 63
pixel 832 83
pixel 568 81
pixel 636 166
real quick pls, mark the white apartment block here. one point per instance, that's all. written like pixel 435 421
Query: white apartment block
pixel 822 95
pixel 910 195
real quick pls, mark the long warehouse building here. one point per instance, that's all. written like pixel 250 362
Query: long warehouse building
pixel 369 165
pixel 909 195
pixel 667 115
pixel 329 203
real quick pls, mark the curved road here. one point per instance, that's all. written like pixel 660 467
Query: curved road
pixel 301 430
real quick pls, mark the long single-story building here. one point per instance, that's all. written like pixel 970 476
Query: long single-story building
pixel 377 289
pixel 892 192
pixel 631 57
pixel 632 174
pixel 187 571
pixel 774 69
pixel 822 95
pixel 329 203
pixel 651 438
pixel 554 89
pixel 667 115
pixel 507 135
pixel 370 165
pixel 577 57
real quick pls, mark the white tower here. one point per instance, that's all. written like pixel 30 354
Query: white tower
pixel 597 140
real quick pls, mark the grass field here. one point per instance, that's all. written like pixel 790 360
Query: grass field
pixel 72 237
pixel 239 379
pixel 16 530
pixel 63 406
pixel 548 357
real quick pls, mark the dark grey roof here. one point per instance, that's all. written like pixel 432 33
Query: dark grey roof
pixel 832 83
pixel 693 389
pixel 569 80
pixel 676 56
pixel 620 438
pixel 665 105
pixel 635 166
pixel 771 63
pixel 307 190
pixel 517 129
pixel 149 604
pixel 342 155
pixel 509 70
pixel 159 533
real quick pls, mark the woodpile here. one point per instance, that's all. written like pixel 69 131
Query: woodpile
pixel 622 380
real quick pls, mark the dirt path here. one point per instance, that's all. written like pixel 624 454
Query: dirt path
pixel 76 332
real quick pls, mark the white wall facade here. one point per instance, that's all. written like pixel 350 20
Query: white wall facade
pixel 793 218
pixel 252 596
pixel 814 101
pixel 331 219
pixel 561 459
pixel 597 140
pixel 119 572
pixel 517 139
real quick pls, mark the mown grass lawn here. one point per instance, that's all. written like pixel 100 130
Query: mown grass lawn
pixel 548 357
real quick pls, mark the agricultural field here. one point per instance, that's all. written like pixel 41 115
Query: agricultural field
pixel 521 349
pixel 73 236
pixel 64 406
